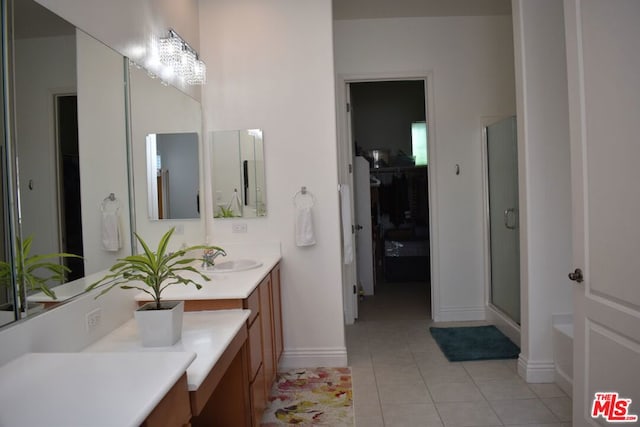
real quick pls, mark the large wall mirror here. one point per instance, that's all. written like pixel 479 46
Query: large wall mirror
pixel 237 170
pixel 68 140
pixel 166 125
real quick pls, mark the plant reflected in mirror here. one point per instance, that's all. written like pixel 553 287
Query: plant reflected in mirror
pixel 238 174
pixel 35 273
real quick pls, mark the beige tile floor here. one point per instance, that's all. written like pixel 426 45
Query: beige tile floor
pixel 401 378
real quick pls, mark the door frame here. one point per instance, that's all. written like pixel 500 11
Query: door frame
pixel 493 314
pixel 345 156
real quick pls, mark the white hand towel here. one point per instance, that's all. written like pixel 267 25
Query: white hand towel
pixel 305 235
pixel 345 211
pixel 111 235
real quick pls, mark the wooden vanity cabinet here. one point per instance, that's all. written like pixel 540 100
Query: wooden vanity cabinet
pixel 261 347
pixel 223 399
pixel 174 409
pixel 264 344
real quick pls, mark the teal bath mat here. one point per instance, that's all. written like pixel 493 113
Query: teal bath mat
pixel 474 343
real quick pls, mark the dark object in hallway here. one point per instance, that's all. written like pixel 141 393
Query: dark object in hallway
pixel 474 343
pixel 406 256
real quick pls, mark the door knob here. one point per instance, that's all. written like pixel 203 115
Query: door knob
pixel 358 227
pixel 576 276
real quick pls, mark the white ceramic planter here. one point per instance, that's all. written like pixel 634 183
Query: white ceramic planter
pixel 160 328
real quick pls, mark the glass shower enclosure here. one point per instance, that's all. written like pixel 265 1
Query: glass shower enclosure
pixel 504 229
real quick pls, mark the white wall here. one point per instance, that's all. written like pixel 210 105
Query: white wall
pixel 43 67
pixel 64 328
pixel 102 146
pixel 545 180
pixel 471 60
pixel 271 67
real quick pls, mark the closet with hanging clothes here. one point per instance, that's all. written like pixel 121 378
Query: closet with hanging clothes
pixel 400 213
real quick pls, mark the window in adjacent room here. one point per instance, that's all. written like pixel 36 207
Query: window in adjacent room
pixel 419 142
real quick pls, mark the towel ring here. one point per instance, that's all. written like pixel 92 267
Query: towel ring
pixel 302 194
pixel 111 198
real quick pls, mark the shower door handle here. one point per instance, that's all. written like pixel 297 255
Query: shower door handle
pixel 510 218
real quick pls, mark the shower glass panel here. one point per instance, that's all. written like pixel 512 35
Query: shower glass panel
pixel 502 169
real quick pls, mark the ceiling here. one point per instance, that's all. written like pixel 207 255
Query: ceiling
pixel 371 9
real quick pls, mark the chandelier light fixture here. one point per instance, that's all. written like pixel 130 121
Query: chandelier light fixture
pixel 182 59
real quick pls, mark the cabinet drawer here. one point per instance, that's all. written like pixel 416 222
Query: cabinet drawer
pixel 255 348
pixel 253 303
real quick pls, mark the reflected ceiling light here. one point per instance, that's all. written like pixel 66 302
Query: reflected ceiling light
pixel 256 133
pixel 182 59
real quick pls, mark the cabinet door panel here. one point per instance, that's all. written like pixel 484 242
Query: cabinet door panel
pixel 258 398
pixel 277 313
pixel 268 361
pixel 253 303
pixel 255 348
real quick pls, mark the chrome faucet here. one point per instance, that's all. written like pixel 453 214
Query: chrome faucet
pixel 210 255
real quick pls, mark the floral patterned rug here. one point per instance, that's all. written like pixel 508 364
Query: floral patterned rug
pixel 311 397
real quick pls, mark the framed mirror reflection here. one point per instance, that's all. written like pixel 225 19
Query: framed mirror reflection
pixel 173 185
pixel 66 153
pixel 238 175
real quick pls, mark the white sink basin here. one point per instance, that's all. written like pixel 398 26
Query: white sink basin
pixel 235 265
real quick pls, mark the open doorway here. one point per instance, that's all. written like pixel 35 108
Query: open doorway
pixel 68 182
pixel 387 123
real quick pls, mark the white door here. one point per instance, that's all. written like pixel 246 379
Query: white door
pixel 345 177
pixel 364 238
pixel 603 68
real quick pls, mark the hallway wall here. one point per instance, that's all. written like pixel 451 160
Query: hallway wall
pixel 471 60
pixel 545 180
pixel 270 66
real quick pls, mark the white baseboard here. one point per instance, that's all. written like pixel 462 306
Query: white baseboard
pixel 293 358
pixel 504 324
pixel 564 381
pixel 536 371
pixel 459 314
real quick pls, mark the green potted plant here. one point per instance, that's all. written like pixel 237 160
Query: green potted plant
pixel 225 213
pixel 159 322
pixel 34 272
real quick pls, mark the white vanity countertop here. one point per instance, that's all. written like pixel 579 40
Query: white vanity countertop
pixel 236 285
pixel 206 333
pixel 68 290
pixel 74 389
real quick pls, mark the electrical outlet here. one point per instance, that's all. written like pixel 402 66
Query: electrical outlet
pixel 239 227
pixel 94 318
